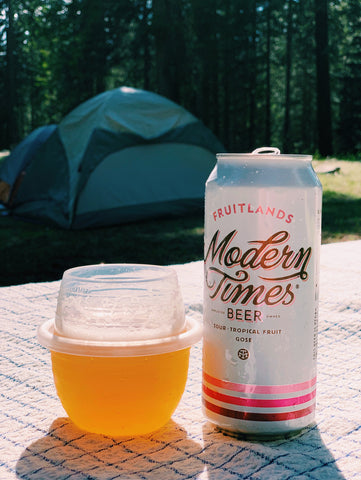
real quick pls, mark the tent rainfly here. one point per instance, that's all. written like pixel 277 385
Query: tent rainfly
pixel 122 156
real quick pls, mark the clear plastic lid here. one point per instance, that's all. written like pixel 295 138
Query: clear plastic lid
pixel 116 305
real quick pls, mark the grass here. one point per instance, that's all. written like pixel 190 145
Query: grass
pixel 32 253
pixel 341 211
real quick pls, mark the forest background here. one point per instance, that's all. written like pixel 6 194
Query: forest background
pixel 278 72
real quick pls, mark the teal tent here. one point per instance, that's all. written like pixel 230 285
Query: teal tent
pixel 124 155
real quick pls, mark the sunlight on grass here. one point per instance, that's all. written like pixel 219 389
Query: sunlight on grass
pixel 341 215
pixel 345 182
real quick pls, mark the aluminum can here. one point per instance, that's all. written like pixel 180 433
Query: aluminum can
pixel 261 263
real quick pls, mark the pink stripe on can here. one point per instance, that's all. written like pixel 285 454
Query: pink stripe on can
pixel 263 389
pixel 259 417
pixel 258 402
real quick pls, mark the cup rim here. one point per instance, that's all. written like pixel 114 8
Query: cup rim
pixel 48 338
pixel 163 272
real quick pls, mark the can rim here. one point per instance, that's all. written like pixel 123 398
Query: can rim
pixel 265 156
pixel 265 152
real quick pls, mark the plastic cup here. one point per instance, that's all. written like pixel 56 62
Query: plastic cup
pixel 120 347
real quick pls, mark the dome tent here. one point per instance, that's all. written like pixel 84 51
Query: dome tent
pixel 11 169
pixel 124 155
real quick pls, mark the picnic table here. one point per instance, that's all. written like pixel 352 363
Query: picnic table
pixel 39 442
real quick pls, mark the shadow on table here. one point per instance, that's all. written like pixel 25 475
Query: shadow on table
pixel 67 452
pixel 303 456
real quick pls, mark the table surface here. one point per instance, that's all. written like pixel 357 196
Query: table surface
pixel 38 441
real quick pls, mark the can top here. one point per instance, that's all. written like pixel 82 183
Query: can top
pixel 269 153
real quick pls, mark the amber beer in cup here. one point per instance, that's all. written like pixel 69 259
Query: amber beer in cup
pixel 261 258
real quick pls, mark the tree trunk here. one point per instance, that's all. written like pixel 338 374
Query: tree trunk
pixel 253 76
pixel 287 117
pixel 268 78
pixel 324 124
pixel 169 46
pixel 94 54
pixel 146 46
pixel 11 131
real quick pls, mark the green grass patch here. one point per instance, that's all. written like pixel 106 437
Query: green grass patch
pixel 341 211
pixel 32 252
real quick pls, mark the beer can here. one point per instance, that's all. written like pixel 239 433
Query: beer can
pixel 261 262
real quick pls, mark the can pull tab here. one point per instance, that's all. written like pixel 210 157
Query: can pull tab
pixel 267 151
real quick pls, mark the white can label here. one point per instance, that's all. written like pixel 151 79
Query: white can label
pixel 260 308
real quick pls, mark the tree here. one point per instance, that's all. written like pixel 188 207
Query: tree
pixel 205 20
pixel 168 30
pixel 303 91
pixel 268 133
pixel 11 130
pixel 287 115
pixel 349 115
pixel 324 126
